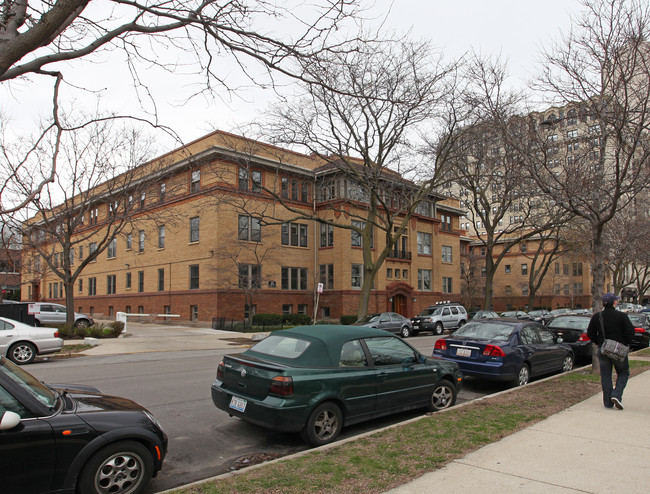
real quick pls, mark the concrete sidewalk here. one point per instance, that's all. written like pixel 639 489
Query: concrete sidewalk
pixel 585 448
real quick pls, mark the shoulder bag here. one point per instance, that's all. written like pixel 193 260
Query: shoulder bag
pixel 612 349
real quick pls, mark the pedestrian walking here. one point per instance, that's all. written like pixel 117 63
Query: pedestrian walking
pixel 613 325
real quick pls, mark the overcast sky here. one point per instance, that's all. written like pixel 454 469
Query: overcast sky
pixel 513 29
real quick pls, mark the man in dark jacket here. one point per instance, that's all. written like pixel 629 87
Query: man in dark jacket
pixel 617 327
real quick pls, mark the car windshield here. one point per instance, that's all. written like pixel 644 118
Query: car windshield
pixel 427 312
pixel 485 331
pixel 570 322
pixel 369 318
pixel 282 346
pixel 29 383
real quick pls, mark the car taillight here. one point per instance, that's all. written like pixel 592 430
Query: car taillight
pixel 56 334
pixel 441 344
pixel 281 385
pixel 220 368
pixel 584 337
pixel 639 330
pixel 493 351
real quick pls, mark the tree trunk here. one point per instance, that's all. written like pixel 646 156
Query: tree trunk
pixel 597 283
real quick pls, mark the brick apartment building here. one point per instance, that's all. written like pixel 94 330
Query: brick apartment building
pixel 218 233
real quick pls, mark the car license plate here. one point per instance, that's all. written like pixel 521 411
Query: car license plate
pixel 464 352
pixel 416 326
pixel 238 404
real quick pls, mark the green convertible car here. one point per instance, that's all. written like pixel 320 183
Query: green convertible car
pixel 316 379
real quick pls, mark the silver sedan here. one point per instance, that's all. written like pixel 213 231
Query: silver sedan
pixel 21 343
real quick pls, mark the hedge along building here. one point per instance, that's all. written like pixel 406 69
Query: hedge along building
pixel 227 226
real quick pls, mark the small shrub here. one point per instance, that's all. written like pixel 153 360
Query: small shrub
pixel 115 329
pixel 349 319
pixel 267 319
pixel 296 319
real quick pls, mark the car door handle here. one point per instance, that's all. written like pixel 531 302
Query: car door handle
pixel 382 375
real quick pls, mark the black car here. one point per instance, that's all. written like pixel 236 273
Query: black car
pixel 541 315
pixel 641 330
pixel 388 321
pixel 573 331
pixel 72 438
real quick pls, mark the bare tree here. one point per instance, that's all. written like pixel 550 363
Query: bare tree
pixel 549 248
pixel 42 39
pixel 97 190
pixel 366 134
pixel 504 206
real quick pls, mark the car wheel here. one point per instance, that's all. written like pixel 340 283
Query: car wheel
pixel 82 324
pixel 438 329
pixel 567 363
pixel 405 332
pixel 443 396
pixel 124 467
pixel 22 353
pixel 523 376
pixel 324 424
pixel 461 323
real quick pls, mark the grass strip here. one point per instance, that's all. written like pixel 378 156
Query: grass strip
pixel 395 456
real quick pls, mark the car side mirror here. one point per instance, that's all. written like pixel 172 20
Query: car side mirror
pixel 422 359
pixel 9 420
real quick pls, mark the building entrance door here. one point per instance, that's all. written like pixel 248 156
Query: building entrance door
pixel 399 304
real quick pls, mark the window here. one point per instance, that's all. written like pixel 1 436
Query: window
pixel 294 278
pixel 128 280
pixel 577 269
pixel 577 288
pixel 250 181
pixel 92 286
pixel 284 192
pixel 424 279
pixel 72 256
pixel 355 236
pixel 81 253
pixel 194 277
pixel 110 284
pixel 423 208
pixel 287 308
pixel 523 247
pixel 92 248
pixel 161 280
pixel 141 241
pixel 326 235
pixel 195 181
pixel 94 213
pixel 294 234
pixel 357 275
pixel 129 241
pixel 557 268
pixel 445 222
pixel 572 134
pixel 250 229
pixel 80 285
pixel 141 281
pixel 565 269
pixel 508 290
pixel 327 276
pixel 524 269
pixel 524 291
pixel 507 268
pixel 405 274
pixel 352 355
pixel 424 243
pixel 194 229
pixel 446 254
pixel 250 276
pixel 161 237
pixel 446 285
pixel 162 191
pixel 389 273
pixel 194 312
pixel 143 198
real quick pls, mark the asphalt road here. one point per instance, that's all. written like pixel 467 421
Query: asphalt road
pixel 175 387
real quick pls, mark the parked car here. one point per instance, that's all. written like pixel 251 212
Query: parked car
pixel 514 314
pixel 388 321
pixel 72 438
pixel 542 316
pixel 626 307
pixel 22 343
pixel 317 379
pixel 573 331
pixel 47 313
pixel 583 311
pixel 484 314
pixel 641 325
pixel 563 311
pixel 505 350
pixel 438 318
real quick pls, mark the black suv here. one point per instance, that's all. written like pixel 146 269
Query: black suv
pixel 438 318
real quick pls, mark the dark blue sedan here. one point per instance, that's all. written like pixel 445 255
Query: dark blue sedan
pixel 505 350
